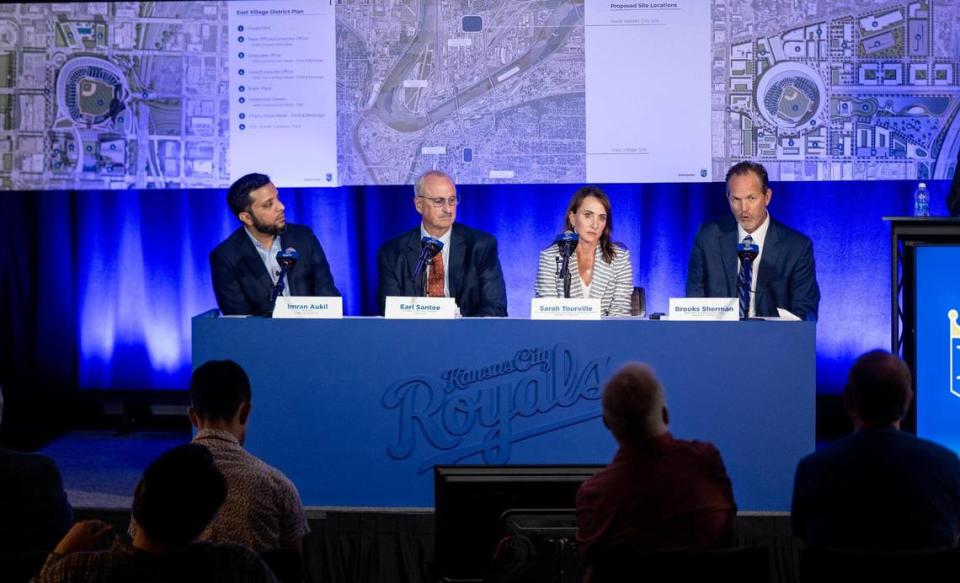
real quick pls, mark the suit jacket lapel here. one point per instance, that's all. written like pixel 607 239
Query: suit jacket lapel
pixel 601 272
pixel 458 259
pixel 576 290
pixel 768 261
pixel 252 262
pixel 292 285
pixel 412 253
pixel 728 253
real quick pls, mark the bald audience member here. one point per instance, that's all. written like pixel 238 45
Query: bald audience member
pixel 658 492
pixel 878 488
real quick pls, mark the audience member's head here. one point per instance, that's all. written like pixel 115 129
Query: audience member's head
pixel 220 396
pixel 634 408
pixel 1 404
pixel 879 390
pixel 179 494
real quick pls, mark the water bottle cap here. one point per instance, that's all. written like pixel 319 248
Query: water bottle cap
pixel 923 185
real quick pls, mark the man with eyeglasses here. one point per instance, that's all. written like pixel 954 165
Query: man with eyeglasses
pixel 466 269
pixel 782 274
pixel 244 267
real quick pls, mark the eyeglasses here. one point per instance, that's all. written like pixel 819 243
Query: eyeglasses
pixel 441 202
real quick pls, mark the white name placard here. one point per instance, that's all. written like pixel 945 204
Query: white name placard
pixel 705 309
pixel 420 308
pixel 328 307
pixel 564 309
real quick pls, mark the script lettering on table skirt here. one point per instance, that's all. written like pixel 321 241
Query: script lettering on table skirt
pixel 468 411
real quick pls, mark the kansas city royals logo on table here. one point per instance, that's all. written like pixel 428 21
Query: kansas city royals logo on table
pixel 486 409
pixel 954 353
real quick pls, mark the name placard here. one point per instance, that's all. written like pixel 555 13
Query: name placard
pixel 705 309
pixel 420 308
pixel 326 307
pixel 565 309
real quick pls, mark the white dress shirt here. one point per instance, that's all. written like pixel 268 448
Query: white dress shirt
pixel 269 258
pixel 759 236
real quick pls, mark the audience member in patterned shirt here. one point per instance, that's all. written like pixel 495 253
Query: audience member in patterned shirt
pixel 178 495
pixel 263 509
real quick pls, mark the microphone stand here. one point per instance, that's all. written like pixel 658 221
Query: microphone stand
pixel 421 272
pixel 746 254
pixel 745 284
pixel 566 244
pixel 423 280
pixel 278 287
pixel 565 274
pixel 428 251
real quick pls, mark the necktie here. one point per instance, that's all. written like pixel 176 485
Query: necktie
pixel 435 277
pixel 745 281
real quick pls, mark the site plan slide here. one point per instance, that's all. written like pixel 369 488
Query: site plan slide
pixel 283 108
pixel 648 91
pixel 837 89
pixel 143 95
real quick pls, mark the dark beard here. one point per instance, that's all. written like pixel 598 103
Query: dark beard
pixel 264 229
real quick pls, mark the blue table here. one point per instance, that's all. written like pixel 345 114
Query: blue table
pixel 357 411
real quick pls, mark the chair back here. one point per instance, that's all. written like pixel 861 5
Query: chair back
pixel 286 564
pixel 638 302
pixel 877 566
pixel 740 564
pixel 21 567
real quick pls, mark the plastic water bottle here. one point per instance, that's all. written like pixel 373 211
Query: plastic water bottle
pixel 921 201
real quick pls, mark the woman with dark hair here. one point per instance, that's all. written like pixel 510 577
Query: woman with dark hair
pixel 599 268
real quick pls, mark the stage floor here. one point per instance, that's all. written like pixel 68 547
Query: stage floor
pixel 101 468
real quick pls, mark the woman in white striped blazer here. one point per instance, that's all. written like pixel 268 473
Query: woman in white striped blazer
pixel 599 268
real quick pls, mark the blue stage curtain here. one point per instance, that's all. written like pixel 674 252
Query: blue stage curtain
pixel 109 280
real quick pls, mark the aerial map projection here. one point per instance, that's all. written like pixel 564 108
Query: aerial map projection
pixel 122 95
pixel 113 95
pixel 490 90
pixel 837 89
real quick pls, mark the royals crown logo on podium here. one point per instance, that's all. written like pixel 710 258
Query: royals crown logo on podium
pixel 954 353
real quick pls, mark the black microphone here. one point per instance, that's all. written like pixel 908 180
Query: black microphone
pixel 566 244
pixel 747 251
pixel 286 259
pixel 429 247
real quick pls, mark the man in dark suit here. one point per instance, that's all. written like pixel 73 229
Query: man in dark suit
pixel 245 268
pixel 783 275
pixel 879 488
pixel 34 511
pixel 468 267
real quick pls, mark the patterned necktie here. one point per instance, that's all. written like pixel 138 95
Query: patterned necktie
pixel 745 280
pixel 435 277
